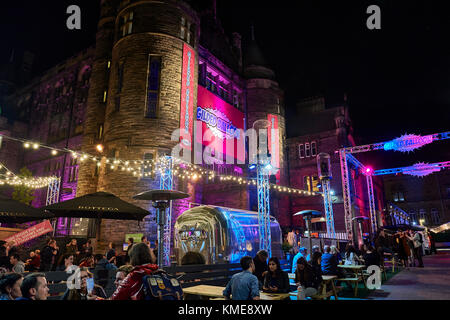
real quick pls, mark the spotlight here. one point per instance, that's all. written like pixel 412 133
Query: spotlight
pixel 369 170
pixel 54 152
pixel 26 145
pixel 99 148
pixel 252 166
pixel 35 146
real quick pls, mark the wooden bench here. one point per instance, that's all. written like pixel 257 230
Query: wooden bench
pixel 322 292
pixel 354 280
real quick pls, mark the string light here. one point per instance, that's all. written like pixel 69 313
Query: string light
pixel 181 168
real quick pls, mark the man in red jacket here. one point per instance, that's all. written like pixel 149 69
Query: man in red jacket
pixel 131 288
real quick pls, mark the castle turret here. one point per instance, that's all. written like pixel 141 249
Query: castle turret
pixel 140 104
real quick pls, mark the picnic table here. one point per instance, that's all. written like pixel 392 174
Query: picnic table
pixel 217 292
pixel 358 270
pixel 322 294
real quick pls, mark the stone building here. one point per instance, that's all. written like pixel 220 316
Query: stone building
pixel 426 200
pixel 325 128
pixel 124 94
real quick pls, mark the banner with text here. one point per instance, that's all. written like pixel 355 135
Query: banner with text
pixel 31 233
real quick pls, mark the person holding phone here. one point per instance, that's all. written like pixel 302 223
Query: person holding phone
pixel 88 289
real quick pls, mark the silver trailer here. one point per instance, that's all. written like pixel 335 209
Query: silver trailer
pixel 222 234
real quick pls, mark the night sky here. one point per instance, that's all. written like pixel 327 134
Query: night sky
pixel 397 79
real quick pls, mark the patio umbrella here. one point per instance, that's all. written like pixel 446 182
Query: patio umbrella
pixel 99 205
pixel 13 211
pixel 308 215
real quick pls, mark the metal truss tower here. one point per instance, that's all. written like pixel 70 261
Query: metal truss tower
pixel 53 197
pixel 328 205
pixel 346 194
pixel 263 187
pixel 166 183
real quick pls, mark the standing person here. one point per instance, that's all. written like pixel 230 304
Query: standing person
pixel 17 265
pixel 48 256
pixel 145 240
pixel 130 245
pixel 308 278
pixel 87 250
pixel 144 262
pixel 404 252
pixel 36 260
pixel 410 242
pixel 72 248
pixel 261 268
pixel 432 243
pixel 243 285
pixel 418 250
pixel 111 254
pixel 291 237
pixel 10 286
pixel 276 280
pixel 34 287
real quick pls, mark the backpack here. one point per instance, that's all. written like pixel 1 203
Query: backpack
pixel 161 286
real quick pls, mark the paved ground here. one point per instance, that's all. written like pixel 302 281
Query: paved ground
pixel 429 283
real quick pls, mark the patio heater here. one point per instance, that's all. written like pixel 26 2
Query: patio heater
pixel 307 216
pixel 360 220
pixel 161 201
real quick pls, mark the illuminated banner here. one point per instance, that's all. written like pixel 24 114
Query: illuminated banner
pixel 31 233
pixel 222 120
pixel 408 143
pixel 274 143
pixel 187 95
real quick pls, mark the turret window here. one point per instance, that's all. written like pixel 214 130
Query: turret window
pixel 126 26
pixel 154 71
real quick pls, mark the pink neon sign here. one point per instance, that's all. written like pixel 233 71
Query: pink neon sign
pixel 187 96
pixel 221 122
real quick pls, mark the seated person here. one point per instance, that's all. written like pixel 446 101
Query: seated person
pixel 371 257
pixel 307 277
pixel 82 293
pixel 301 254
pixel 351 257
pixel 243 285
pixel 276 280
pixel 329 263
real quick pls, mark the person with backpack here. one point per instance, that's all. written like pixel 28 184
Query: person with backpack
pixel 418 251
pixel 143 260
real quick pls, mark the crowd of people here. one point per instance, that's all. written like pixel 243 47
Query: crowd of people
pixel 259 273
pixel 27 281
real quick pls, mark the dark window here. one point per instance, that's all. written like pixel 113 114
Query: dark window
pixel 313 149
pixel 301 150
pixel 120 68
pixel 153 86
